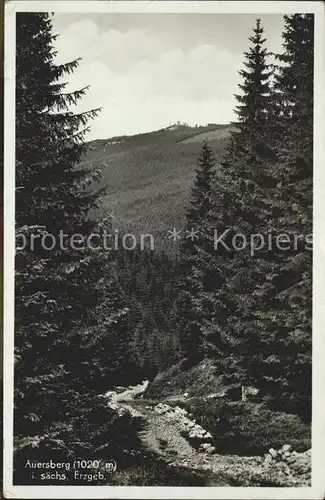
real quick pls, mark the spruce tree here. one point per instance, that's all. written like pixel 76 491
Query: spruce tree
pixel 241 209
pixel 294 86
pixel 253 105
pixel 269 332
pixel 247 165
pixel 201 198
pixel 62 343
pixel 285 373
pixel 195 258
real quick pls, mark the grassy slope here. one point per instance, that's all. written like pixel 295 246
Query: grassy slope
pixel 148 177
pixel 244 428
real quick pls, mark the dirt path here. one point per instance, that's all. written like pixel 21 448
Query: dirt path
pixel 160 435
pixel 163 436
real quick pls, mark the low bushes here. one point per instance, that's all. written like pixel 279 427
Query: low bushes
pixel 150 471
pixel 243 428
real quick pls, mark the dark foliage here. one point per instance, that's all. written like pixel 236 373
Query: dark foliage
pixel 253 308
pixel 150 283
pixel 195 270
pixel 249 428
pixel 70 329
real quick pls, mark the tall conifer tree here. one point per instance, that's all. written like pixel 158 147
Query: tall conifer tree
pixel 195 257
pixel 269 337
pixel 241 208
pixel 285 373
pixel 62 340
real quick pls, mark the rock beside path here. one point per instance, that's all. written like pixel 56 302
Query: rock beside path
pixel 186 425
pixel 288 466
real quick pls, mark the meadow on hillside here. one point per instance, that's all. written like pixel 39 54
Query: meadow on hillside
pixel 148 177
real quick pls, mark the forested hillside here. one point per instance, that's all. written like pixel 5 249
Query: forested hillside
pixel 147 178
pixel 224 308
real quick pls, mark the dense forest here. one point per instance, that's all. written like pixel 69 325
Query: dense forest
pixel 238 294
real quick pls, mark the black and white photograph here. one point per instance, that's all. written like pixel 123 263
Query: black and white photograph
pixel 163 249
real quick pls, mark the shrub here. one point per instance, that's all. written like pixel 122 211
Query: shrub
pixel 249 428
pixel 150 471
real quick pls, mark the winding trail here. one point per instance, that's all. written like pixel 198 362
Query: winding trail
pixel 164 437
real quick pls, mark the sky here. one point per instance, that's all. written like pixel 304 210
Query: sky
pixel 148 71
